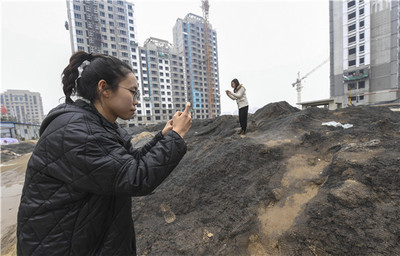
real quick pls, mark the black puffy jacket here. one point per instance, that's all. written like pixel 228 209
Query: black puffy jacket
pixel 79 182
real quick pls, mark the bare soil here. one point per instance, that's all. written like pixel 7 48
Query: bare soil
pixel 290 186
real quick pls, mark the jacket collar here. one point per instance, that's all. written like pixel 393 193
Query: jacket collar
pixel 89 107
pixel 237 88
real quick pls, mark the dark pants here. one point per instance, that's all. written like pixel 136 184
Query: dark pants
pixel 243 117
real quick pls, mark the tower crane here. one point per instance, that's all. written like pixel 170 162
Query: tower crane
pixel 206 7
pixel 298 84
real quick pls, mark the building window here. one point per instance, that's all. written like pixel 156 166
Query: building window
pixel 352 39
pixel 352 27
pixel 352 86
pixel 352 63
pixel 111 23
pixel 361 85
pixel 361 11
pixel 77 7
pixel 362 60
pixel 361 24
pixel 80 40
pixel 361 48
pixel 110 16
pixel 110 8
pixel 351 16
pixel 352 50
pixel 79 32
pixel 351 4
pixel 77 16
pixel 362 36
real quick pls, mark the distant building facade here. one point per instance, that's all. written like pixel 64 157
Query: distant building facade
pixel 364 52
pixel 23 106
pixel 189 38
pixel 163 89
pixel 20 131
pixel 106 27
pixel 168 74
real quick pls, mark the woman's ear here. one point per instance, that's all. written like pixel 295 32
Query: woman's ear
pixel 103 89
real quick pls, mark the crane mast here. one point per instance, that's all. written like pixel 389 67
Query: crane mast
pixel 205 7
pixel 299 79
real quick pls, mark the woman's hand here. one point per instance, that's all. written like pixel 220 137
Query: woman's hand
pixel 167 128
pixel 228 92
pixel 182 121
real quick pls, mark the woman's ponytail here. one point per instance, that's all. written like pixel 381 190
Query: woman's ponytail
pixel 85 70
pixel 71 73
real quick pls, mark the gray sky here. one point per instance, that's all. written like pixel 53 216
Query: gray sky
pixel 262 43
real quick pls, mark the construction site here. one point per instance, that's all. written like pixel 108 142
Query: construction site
pixel 321 178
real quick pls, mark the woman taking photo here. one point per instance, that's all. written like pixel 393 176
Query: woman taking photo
pixel 83 171
pixel 239 94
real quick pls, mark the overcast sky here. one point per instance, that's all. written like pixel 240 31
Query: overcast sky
pixel 261 43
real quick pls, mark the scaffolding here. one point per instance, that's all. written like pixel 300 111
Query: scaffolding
pixel 205 7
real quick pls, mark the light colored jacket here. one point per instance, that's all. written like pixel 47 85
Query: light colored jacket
pixel 240 97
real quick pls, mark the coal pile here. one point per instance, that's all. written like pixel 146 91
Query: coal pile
pixel 290 186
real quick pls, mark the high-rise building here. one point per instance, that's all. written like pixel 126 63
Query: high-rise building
pixel 104 26
pixel 23 106
pixel 168 75
pixel 189 39
pixel 163 90
pixel 364 50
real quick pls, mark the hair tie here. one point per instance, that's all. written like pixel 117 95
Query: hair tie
pixel 80 70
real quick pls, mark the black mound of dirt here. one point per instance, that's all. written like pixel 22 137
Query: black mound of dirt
pixel 290 186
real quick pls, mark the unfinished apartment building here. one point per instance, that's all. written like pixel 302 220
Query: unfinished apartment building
pixel 364 49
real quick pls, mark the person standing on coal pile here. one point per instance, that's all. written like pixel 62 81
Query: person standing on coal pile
pixel 239 94
pixel 81 176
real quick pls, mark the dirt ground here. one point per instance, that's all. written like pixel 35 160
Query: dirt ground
pixel 12 181
pixel 290 186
